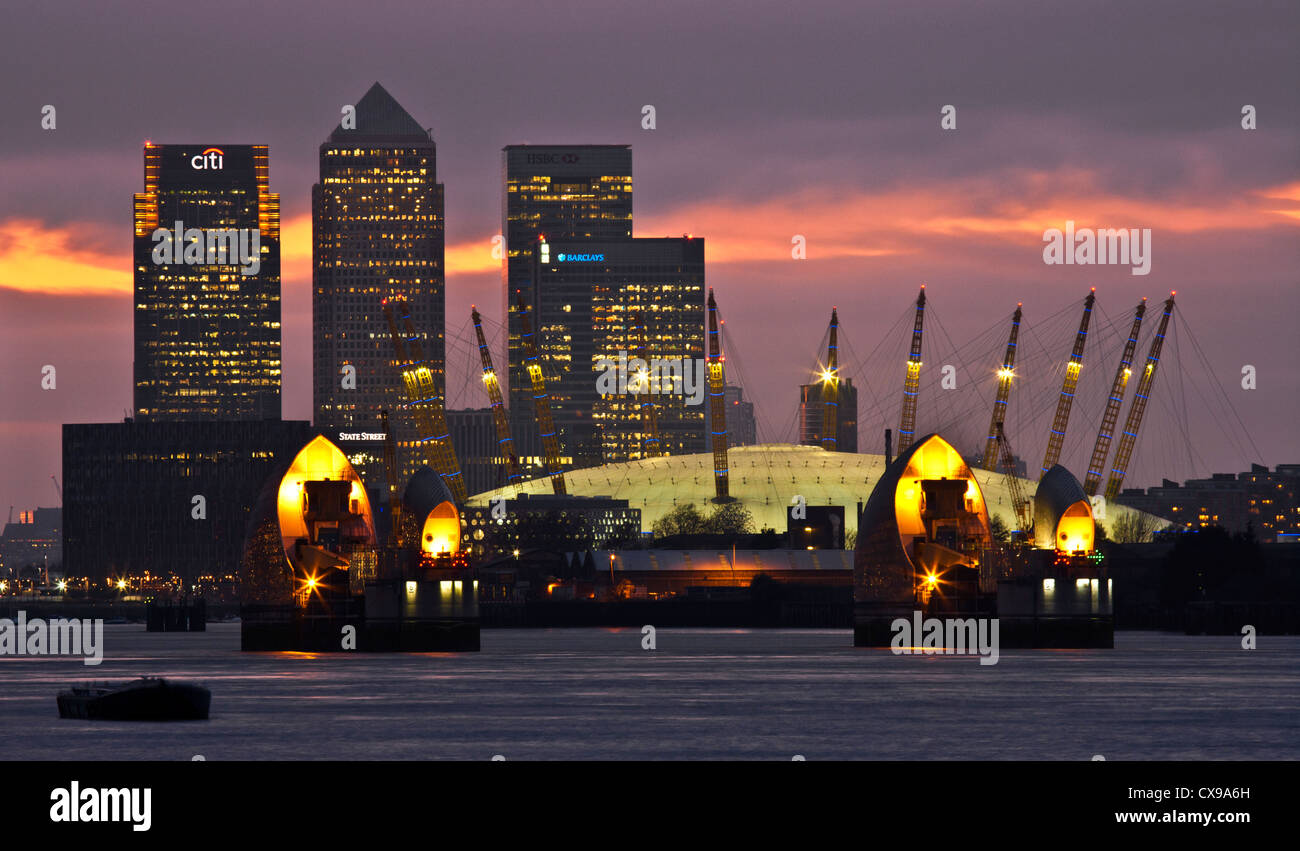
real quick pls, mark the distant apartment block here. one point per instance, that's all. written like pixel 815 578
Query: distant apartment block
pixel 1266 500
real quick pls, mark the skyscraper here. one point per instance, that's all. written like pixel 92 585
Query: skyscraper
pixel 473 433
pixel 207 285
pixel 742 428
pixel 561 192
pixel 812 411
pixel 378 230
pixel 602 303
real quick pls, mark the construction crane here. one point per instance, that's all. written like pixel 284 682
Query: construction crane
pixel 541 402
pixel 57 489
pixel 424 398
pixel 1134 422
pixel 651 447
pixel 1018 500
pixel 493 385
pixel 1057 438
pixel 912 384
pixel 831 389
pixel 390 474
pixel 1005 374
pixel 1107 431
pixel 717 408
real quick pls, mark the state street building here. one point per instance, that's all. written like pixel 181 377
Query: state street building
pixel 378 230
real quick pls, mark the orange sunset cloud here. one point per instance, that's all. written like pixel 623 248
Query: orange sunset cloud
pixel 900 221
pixel 37 258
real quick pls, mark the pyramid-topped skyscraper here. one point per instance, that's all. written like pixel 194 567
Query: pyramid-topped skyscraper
pixel 378 231
pixel 379 116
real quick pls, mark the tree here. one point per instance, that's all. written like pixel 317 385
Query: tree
pixel 1134 527
pixel 685 519
pixel 730 518
pixel 998 527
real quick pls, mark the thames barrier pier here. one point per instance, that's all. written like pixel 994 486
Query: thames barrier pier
pixel 926 545
pixel 315 578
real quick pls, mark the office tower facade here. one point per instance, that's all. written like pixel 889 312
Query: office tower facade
pixel 131 494
pixel 602 303
pixel 562 192
pixel 207 285
pixel 473 433
pixel 378 230
pixel 811 411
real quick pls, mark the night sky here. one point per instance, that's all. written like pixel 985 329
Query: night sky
pixel 819 119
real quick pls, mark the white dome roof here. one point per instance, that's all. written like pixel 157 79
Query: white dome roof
pixel 764 478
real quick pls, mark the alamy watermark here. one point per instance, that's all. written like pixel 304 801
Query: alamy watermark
pixel 949 636
pixel 658 377
pixel 131 805
pixel 1101 247
pixel 198 247
pixel 58 637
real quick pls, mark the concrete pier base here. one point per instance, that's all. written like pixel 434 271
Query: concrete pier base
pixel 283 629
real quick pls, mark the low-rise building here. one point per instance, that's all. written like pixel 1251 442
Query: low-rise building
pixel 33 542
pixel 554 522
pixel 1266 500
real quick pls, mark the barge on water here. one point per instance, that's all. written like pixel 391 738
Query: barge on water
pixel 143 699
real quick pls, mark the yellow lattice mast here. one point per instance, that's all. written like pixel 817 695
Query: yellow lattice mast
pixel 424 399
pixel 912 383
pixel 831 389
pixel 504 444
pixel 1018 500
pixel 1005 374
pixel 541 402
pixel 1140 396
pixel 1057 437
pixel 1116 399
pixel 717 407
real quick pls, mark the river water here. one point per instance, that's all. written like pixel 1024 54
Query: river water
pixel 595 694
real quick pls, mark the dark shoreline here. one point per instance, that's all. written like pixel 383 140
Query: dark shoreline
pixel 1201 618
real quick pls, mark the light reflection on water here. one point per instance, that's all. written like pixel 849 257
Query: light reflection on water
pixel 703 694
